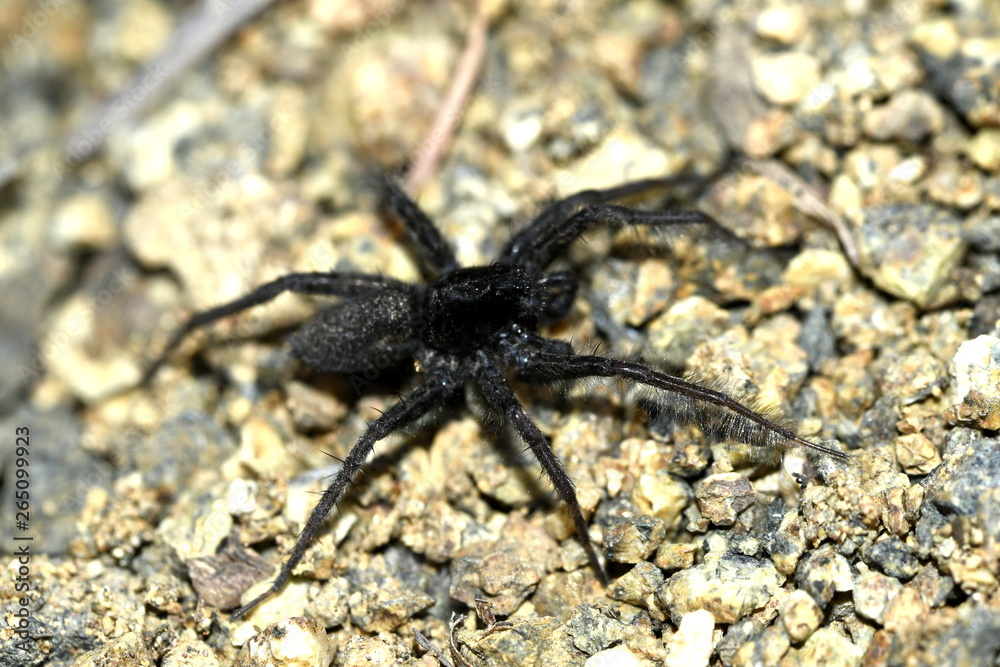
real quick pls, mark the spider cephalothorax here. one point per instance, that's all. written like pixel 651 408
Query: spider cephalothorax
pixel 475 325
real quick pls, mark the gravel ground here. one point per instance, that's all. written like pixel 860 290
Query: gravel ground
pixel 864 309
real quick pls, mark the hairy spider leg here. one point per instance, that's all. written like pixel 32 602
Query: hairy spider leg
pixel 549 241
pixel 749 425
pixel 433 251
pixel 499 395
pixel 329 283
pixel 557 213
pixel 428 395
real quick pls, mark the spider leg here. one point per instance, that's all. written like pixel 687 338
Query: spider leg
pixel 550 242
pixel 718 414
pixel 500 397
pixel 548 234
pixel 418 403
pixel 434 253
pixel 331 283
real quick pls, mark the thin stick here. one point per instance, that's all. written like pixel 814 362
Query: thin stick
pixel 429 154
pixel 200 32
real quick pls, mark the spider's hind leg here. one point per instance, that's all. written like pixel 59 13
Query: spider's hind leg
pixel 438 386
pixel 330 283
pixel 498 394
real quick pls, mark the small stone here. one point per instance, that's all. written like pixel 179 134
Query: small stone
pixel 592 629
pixel 769 133
pixel 313 409
pixel 984 234
pixel 521 128
pixel 662 496
pixel 816 269
pixel 975 385
pixel 872 592
pixel 984 149
pixel 531 641
pixel 783 24
pixel 785 78
pixel 910 250
pixel 370 652
pixel 938 37
pixel 766 648
pixel 968 634
pixel 730 585
pixel 150 19
pixel 84 222
pixel 801 615
pixel 330 604
pixel 910 115
pixel 916 454
pixel 625 155
pixel 686 323
pixel 338 16
pixel 903 609
pixel 290 601
pixel 788 544
pixel 190 653
pixel 893 557
pixel 933 587
pixel 125 651
pixel 633 292
pixel 91 375
pixel 911 377
pixel 965 77
pixel 263 450
pixel 434 529
pixel 637 585
pixel 692 644
pixel 633 538
pixel 382 603
pixel 823 572
pixel 672 556
pixel 953 184
pixel 295 642
pixel 503 575
pixel 721 497
pixel 826 647
pixel 619 656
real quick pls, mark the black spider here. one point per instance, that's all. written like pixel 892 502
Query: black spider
pixel 473 324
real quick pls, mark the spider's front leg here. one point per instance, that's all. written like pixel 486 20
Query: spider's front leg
pixel 548 235
pixel 436 388
pixel 436 257
pixel 489 375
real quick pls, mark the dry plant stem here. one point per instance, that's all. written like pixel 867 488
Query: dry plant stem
pixel 809 202
pixel 200 32
pixel 429 646
pixel 429 154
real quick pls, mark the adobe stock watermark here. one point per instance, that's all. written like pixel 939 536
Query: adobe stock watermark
pixel 125 103
pixel 247 153
pixel 352 49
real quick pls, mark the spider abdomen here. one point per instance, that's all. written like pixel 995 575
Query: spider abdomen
pixel 374 331
pixel 466 308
